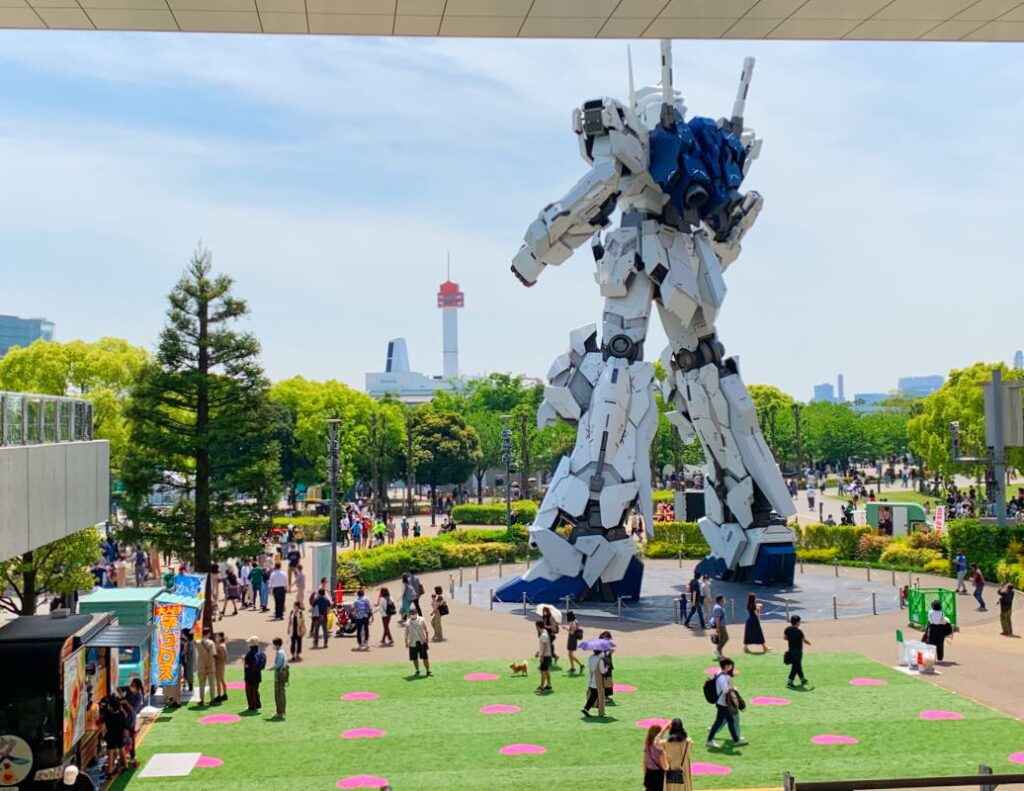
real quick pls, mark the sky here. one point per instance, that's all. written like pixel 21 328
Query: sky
pixel 331 177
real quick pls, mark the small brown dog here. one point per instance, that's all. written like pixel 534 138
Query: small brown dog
pixel 519 668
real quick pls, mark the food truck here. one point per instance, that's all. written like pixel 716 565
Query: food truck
pixel 131 607
pixel 896 519
pixel 57 669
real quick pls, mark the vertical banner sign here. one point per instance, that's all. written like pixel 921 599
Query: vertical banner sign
pixel 74 699
pixel 166 643
pixel 939 520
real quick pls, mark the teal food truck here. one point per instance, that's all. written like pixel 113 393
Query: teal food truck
pixel 896 519
pixel 131 607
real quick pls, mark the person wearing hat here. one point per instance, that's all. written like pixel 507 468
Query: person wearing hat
pixel 254 662
pixel 77 780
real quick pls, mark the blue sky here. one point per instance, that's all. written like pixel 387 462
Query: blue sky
pixel 330 176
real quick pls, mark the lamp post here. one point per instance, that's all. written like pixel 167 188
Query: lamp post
pixel 506 456
pixel 333 464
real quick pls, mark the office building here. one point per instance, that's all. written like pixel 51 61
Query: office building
pixel 919 386
pixel 824 392
pixel 869 402
pixel 840 395
pixel 15 331
pixel 1018 360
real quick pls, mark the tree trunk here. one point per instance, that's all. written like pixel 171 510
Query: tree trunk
pixel 433 504
pixel 480 486
pixel 203 533
pixel 28 588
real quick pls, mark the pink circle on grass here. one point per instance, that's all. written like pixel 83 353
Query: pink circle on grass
pixel 698 768
pixel 1016 758
pixel 235 685
pixel 939 714
pixel 208 762
pixel 479 677
pixel 219 719
pixel 360 696
pixel 623 688
pixel 523 749
pixel 499 708
pixel 661 723
pixel 363 781
pixel 868 682
pixel 362 733
pixel 769 701
pixel 831 738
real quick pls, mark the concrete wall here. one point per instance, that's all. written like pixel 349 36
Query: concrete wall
pixel 50 491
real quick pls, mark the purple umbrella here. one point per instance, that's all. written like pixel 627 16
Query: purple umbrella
pixel 597 645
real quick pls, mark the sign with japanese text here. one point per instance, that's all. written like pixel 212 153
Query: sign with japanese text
pixel 166 643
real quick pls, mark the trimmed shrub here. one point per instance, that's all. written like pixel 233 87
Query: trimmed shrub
pixel 870 548
pixel 985 545
pixel 1011 572
pixel 930 540
pixel 476 535
pixel 843 538
pixel 902 554
pixel 663 496
pixel 665 549
pixel 311 528
pixel 372 566
pixel 678 533
pixel 494 513
pixel 818 555
pixel 940 567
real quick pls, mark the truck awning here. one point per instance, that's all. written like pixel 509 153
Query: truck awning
pixel 118 636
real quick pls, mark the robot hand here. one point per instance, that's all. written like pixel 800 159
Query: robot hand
pixel 741 218
pixel 526 267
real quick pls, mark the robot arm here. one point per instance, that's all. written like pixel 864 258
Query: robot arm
pixel 610 141
pixel 743 215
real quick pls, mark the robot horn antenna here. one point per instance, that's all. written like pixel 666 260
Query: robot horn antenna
pixel 632 89
pixel 741 96
pixel 668 116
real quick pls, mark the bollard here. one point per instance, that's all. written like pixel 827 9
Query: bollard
pixel 801 565
pixel 679 556
pixel 894 578
pixel 837 569
pixel 787 610
pixel 732 609
pixel 874 604
pixel 499 568
pixel 917 582
pixel 490 597
pixel 477 572
pixel 618 602
pixel 524 601
pixel 451 587
pixel 460 577
pixel 869 571
pixel 835 609
pixel 565 604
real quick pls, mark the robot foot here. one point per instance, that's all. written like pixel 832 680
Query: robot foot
pixel 541 589
pixel 774 565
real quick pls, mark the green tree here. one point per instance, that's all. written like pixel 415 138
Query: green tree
pixel 775 417
pixel 487 426
pixel 60 568
pixel 445 447
pixel 831 432
pixel 203 426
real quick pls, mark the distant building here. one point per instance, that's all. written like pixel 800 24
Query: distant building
pixel 397 380
pixel 840 395
pixel 824 392
pixel 1018 360
pixel 16 331
pixel 919 386
pixel 869 402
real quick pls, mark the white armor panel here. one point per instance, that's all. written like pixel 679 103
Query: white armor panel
pixel 727 541
pixel 561 556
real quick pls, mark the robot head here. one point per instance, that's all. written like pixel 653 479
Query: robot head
pixel 647 105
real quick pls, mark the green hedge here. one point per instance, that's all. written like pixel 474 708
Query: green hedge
pixel 679 533
pixel 494 513
pixel 312 528
pixel 829 555
pixel 380 564
pixel 842 538
pixel 986 545
pixel 665 549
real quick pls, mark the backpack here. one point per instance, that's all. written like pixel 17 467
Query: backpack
pixel 443 607
pixel 261 660
pixel 711 689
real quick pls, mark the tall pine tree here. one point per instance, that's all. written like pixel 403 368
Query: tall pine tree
pixel 203 428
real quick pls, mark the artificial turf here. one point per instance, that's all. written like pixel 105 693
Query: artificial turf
pixel 436 738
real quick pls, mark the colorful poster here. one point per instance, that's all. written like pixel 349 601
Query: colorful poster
pixel 166 643
pixel 74 699
pixel 939 520
pixel 193 585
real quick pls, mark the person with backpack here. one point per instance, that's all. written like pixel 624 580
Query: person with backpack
pixel 720 691
pixel 439 609
pixel 254 663
pixel 695 602
pixel 363 612
pixel 386 608
pixel 281 674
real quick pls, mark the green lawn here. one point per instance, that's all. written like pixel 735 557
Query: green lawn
pixel 436 739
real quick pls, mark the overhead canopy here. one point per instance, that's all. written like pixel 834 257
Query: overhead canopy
pixel 931 20
pixel 117 636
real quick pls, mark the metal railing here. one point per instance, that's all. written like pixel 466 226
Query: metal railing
pixel 985 780
pixel 31 419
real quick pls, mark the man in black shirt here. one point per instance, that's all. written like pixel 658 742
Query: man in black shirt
pixel 795 642
pixel 1006 609
pixel 695 602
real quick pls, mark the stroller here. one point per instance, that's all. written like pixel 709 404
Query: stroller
pixel 344 619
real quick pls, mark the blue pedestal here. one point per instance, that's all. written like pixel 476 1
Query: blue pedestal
pixel 775 565
pixel 542 591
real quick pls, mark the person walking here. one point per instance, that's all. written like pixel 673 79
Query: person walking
pixel 979 585
pixel 676 745
pixel 220 661
pixel 609 670
pixel 417 587
pixel 1006 609
pixel 695 602
pixel 206 655
pixel 256 582
pixel 654 761
pixel 960 567
pixel 363 612
pixel 438 609
pixel 141 566
pixel 293 556
pixel 386 608
pixel 296 630
pixel 575 634
pixel 278 584
pixel 552 627
pixel 596 668
pixel 300 582
pixel 231 592
pixel 721 635
pixel 281 674
pixel 321 606
pixel 544 656
pixel 794 657
pixel 416 640
pixel 728 704
pixel 188 659
pixel 753 634
pixel 253 664
pixel 409 595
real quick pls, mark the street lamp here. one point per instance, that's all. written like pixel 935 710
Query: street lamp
pixel 333 464
pixel 506 456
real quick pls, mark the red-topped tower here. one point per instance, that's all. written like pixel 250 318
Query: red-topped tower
pixel 450 298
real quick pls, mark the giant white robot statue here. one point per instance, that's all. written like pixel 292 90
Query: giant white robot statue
pixel 676 183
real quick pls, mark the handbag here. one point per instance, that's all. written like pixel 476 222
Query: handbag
pixel 787 658
pixel 674 776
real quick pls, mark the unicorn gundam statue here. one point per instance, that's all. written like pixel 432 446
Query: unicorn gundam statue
pixel 676 183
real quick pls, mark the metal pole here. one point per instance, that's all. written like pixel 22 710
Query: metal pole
pixel 618 602
pixel 998 449
pixel 506 455
pixel 566 599
pixel 490 597
pixel 835 609
pixel 332 453
pixel 470 593
pixel 477 572
pixel 874 604
pixel 499 568
pixel 869 572
pixel 837 569
pixel 894 578
pixel 679 555
pixel 451 586
pixel 787 609
pixel 460 576
pixel 524 601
